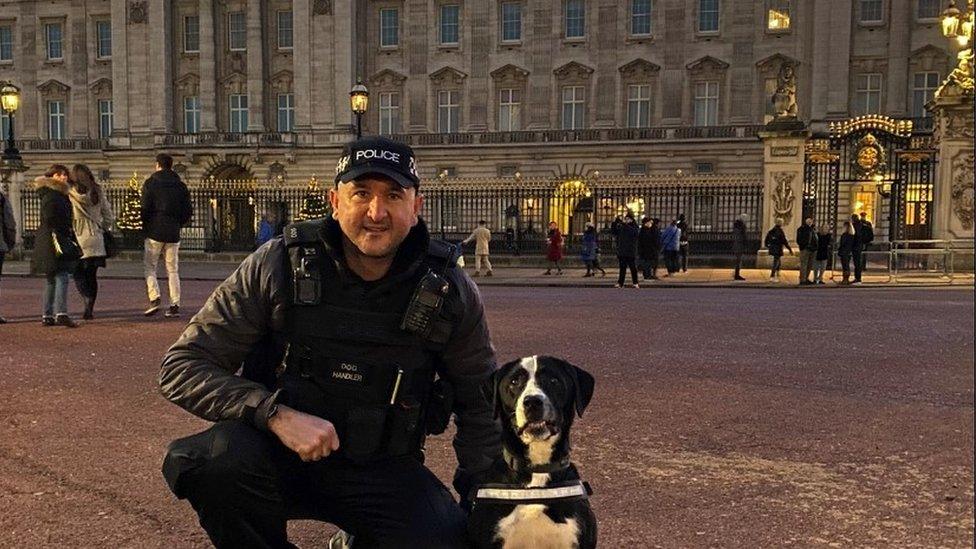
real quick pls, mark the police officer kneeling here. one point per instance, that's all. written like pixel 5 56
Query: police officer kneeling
pixel 339 330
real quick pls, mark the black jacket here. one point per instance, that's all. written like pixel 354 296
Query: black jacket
pixel 649 242
pixel 866 234
pixel 775 241
pixel 198 371
pixel 56 217
pixel 166 206
pixel 627 240
pixel 683 225
pixel 847 244
pixel 806 238
pixel 824 242
pixel 738 237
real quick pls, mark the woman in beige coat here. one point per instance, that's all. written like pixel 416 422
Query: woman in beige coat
pixel 92 217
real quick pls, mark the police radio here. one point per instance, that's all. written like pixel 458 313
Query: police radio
pixel 425 304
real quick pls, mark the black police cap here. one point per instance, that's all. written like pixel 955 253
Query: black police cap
pixel 378 155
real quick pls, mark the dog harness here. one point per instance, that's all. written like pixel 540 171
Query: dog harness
pixel 512 493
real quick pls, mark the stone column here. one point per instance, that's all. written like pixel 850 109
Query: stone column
pixel 120 75
pixel 255 67
pixel 208 68
pixel 783 159
pixel 160 68
pixel 953 196
pixel 302 64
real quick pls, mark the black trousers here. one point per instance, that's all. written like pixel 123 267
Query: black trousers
pixel 858 265
pixel 627 263
pixel 86 278
pixel 683 251
pixel 245 485
pixel 738 264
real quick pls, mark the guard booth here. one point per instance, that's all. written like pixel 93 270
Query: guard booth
pixel 876 165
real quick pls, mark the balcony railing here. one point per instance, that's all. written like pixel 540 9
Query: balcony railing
pixel 226 138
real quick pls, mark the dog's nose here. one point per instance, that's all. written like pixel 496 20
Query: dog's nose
pixel 534 407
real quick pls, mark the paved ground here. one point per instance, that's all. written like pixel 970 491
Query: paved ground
pixel 722 418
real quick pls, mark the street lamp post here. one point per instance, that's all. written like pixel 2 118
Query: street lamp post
pixel 9 102
pixel 958 24
pixel 359 100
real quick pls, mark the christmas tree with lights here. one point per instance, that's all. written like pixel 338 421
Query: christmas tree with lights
pixel 314 204
pixel 131 217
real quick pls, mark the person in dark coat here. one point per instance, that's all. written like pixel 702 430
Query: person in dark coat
pixel 56 222
pixel 648 248
pixel 806 241
pixel 866 235
pixel 8 232
pixel 683 242
pixel 627 233
pixel 858 248
pixel 845 249
pixel 166 208
pixel 739 244
pixel 590 250
pixel 824 245
pixel 775 241
pixel 554 250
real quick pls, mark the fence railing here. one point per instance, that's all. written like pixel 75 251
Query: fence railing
pixel 518 212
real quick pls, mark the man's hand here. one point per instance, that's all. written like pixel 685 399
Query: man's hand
pixel 311 437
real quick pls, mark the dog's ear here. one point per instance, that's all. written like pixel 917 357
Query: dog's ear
pixel 489 388
pixel 583 384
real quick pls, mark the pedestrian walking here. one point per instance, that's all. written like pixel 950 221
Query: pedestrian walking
pixel 806 241
pixel 846 247
pixel 554 250
pixel 8 233
pixel 627 234
pixel 481 237
pixel 824 246
pixel 648 248
pixel 739 244
pixel 166 209
pixel 683 242
pixel 92 218
pixel 866 236
pixel 55 248
pixel 670 245
pixel 774 242
pixel 590 250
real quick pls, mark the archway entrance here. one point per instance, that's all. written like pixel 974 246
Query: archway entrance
pixel 231 221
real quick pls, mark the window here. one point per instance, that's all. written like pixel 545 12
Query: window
pixel 448 111
pixel 704 167
pixel 871 11
pixel 389 27
pixel 508 110
pixel 511 22
pixel 52 33
pixel 573 107
pixel 640 17
pixel 507 170
pixel 706 103
pixel 389 113
pixel 56 120
pixel 286 112
pixel 191 114
pixel 639 106
pixel 191 33
pixel 707 15
pixel 103 34
pixel 104 118
pixel 6 44
pixel 450 21
pixel 867 99
pixel 778 15
pixel 636 168
pixel 929 9
pixel 575 19
pixel 924 85
pixel 238 112
pixel 236 31
pixel 285 36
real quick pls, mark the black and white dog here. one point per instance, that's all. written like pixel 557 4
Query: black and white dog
pixel 535 498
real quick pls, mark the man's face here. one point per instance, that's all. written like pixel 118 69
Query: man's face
pixel 375 213
pixel 809 222
pixel 60 176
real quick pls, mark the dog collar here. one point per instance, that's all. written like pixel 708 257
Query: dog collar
pixel 508 493
pixel 517 464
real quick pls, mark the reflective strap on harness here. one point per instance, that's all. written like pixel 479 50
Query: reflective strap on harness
pixel 576 489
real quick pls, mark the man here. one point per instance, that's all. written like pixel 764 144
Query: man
pixel 627 234
pixel 739 244
pixel 683 242
pixel 866 235
pixel 481 236
pixel 8 233
pixel 857 252
pixel 775 241
pixel 806 240
pixel 353 315
pixel 166 209
pixel 670 243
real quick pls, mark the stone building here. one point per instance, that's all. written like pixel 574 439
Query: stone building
pixel 554 89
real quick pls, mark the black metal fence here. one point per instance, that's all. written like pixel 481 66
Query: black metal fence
pixel 518 212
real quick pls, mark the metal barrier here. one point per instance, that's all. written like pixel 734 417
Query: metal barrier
pixel 932 260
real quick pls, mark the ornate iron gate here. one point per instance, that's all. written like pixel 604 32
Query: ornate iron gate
pixel 871 163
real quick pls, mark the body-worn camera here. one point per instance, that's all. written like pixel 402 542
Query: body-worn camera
pixel 425 304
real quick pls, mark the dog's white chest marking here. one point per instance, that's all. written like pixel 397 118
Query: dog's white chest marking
pixel 528 527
